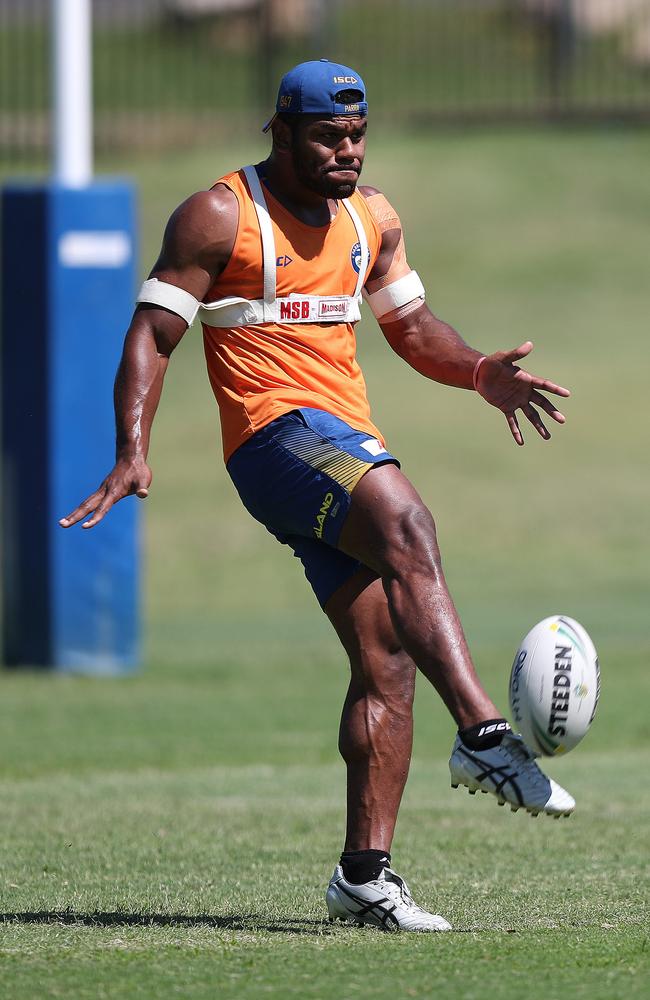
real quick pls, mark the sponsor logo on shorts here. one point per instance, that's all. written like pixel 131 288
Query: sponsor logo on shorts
pixel 373 446
pixel 326 503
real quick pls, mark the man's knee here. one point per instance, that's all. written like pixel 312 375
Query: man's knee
pixel 411 543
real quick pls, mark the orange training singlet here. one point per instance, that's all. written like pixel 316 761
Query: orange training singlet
pixel 258 372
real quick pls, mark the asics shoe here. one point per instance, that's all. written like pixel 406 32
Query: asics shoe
pixel 384 902
pixel 509 772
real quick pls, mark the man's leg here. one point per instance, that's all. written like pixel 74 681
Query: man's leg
pixel 389 529
pixel 375 742
pixel 376 732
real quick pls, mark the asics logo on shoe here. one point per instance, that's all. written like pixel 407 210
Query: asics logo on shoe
pixel 383 913
pixel 506 775
pixel 494 727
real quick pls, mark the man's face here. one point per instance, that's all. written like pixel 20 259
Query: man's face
pixel 328 154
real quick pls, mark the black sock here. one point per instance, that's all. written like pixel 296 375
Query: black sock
pixel 486 735
pixel 362 866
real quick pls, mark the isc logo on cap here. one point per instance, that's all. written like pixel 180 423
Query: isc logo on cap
pixel 345 79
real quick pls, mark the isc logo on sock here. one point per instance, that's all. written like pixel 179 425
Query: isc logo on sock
pixel 494 727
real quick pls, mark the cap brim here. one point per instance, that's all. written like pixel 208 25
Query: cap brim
pixel 270 122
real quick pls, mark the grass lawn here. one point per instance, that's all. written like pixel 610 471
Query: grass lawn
pixel 171 834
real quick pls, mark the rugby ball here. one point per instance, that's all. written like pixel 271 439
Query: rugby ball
pixel 554 686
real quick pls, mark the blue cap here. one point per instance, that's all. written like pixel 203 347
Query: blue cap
pixel 311 88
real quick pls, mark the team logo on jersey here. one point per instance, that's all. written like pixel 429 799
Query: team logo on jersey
pixel 355 256
pixel 284 261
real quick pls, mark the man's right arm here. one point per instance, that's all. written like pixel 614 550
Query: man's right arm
pixel 198 242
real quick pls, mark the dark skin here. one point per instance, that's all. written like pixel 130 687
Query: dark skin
pixel 396 613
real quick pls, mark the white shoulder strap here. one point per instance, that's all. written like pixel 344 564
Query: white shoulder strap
pixel 268 243
pixel 363 243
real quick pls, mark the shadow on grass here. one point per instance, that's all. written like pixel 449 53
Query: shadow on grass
pixel 235 922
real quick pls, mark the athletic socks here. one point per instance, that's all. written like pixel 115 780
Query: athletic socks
pixel 363 866
pixel 486 735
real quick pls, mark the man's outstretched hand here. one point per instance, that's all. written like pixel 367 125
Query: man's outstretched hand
pixel 503 384
pixel 125 479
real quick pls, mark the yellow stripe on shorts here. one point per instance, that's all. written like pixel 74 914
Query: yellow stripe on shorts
pixel 307 445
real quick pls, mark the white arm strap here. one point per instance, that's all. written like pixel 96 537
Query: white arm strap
pixel 177 300
pixel 397 294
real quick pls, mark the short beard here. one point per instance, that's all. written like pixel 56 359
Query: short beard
pixel 321 185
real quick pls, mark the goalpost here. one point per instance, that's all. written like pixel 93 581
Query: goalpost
pixel 70 598
pixel 72 118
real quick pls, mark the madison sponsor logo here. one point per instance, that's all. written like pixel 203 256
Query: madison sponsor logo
pixel 561 691
pixel 332 308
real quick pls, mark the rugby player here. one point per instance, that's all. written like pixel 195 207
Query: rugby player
pixel 274 259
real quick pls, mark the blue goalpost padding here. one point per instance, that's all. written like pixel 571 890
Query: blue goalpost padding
pixel 70 597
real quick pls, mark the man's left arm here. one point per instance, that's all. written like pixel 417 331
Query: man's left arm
pixel 434 348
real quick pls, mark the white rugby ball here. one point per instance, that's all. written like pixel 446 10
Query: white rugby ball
pixel 554 685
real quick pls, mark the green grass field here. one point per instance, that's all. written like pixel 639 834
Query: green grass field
pixel 171 834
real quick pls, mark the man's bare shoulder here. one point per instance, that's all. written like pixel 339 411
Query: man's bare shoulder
pixel 207 212
pixel 202 231
pixel 382 211
pixel 367 191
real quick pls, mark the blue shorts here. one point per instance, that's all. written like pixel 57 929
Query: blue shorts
pixel 296 476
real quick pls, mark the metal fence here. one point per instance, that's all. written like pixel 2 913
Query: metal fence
pixel 169 72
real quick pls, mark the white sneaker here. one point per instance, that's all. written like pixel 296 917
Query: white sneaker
pixel 384 902
pixel 509 771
